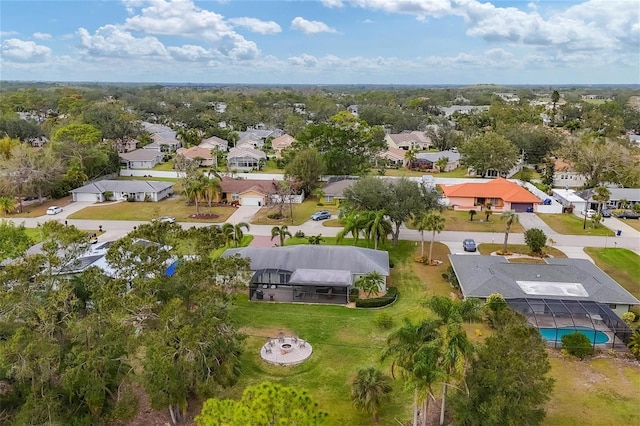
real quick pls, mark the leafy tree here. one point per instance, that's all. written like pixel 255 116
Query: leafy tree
pixel 517 394
pixel 7 145
pixel 489 151
pixel 548 173
pixel 443 137
pixel 555 97
pixel 536 239
pixel 577 344
pixel 370 283
pixel 306 167
pixel 510 217
pixel 281 232
pixel 369 389
pixel 535 141
pixel 264 404
pixel 14 240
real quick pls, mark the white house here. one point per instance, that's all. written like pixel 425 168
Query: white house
pixel 141 158
pixel 245 159
pixel 138 190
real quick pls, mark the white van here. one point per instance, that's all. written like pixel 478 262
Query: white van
pixel 54 210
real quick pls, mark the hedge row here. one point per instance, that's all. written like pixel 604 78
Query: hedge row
pixel 390 297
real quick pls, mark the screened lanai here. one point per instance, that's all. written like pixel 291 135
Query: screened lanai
pixel 301 285
pixel 555 317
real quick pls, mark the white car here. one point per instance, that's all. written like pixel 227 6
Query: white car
pixel 589 213
pixel 54 210
pixel 167 219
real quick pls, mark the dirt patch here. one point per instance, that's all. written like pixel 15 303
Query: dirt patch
pixel 204 216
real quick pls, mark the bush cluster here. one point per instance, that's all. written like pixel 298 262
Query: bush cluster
pixel 377 302
pixel 577 344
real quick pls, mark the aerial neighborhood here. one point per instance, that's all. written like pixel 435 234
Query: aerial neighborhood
pixel 167 251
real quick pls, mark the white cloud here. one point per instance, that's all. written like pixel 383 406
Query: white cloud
pixel 41 36
pixel 304 60
pixel 332 3
pixel 190 53
pixel 310 27
pixel 256 25
pixel 111 41
pixel 8 33
pixel 15 50
pixel 421 9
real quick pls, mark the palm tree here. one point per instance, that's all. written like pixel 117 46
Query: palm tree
pixel 369 389
pixel 421 225
pixel 315 239
pixel 282 232
pixel 410 156
pixel 634 343
pixel 7 204
pixel 370 283
pixel 404 346
pixel 601 195
pixel 511 217
pixel 434 223
pixel 228 232
pixel 472 213
pixel 237 232
pixel 378 227
pixel 354 222
pixel 211 188
pixel 194 191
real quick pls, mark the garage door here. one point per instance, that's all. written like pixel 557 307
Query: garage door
pixel 521 207
pixel 251 201
pixel 91 198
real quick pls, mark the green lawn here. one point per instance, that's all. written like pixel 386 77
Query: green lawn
pixel 301 213
pixel 620 264
pixel 593 393
pixel 634 223
pixel 164 167
pixel 570 224
pixel 459 221
pixel 36 210
pixel 141 211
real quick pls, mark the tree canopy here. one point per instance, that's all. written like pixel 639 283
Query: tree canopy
pixel 489 151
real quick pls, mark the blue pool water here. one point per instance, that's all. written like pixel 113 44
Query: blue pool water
pixel 550 334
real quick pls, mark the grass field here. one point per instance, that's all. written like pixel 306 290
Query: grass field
pixel 570 224
pixel 459 221
pixel 301 213
pixel 487 249
pixel 620 264
pixel 164 167
pixel 141 211
pixel 634 223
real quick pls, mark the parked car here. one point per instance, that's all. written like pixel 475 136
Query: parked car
pixel 589 213
pixel 167 219
pixel 469 245
pixel 54 210
pixel 627 214
pixel 321 215
pixel 605 213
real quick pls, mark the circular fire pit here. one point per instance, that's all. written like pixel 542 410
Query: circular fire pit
pixel 285 348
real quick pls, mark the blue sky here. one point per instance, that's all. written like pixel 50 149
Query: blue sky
pixel 322 41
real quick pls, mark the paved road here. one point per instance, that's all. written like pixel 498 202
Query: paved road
pixel 570 244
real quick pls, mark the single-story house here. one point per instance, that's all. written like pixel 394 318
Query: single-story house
pixel 393 157
pixel 256 137
pixel 631 195
pixel 141 158
pixel 334 189
pixel 408 140
pixel 248 192
pixel 282 142
pixel 245 159
pixel 215 143
pixel 138 190
pixel 561 293
pixel 203 155
pixel 501 193
pixel 428 160
pixel 310 273
pixel 569 198
pixel 163 145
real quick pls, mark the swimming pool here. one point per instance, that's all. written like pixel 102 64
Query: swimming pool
pixel 555 334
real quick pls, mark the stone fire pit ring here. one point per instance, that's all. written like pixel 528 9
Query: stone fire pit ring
pixel 285 351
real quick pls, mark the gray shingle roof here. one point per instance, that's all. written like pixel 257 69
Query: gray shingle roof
pixel 131 186
pixel 357 260
pixel 141 155
pixel 480 276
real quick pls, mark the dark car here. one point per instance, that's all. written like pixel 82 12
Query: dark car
pixel 627 214
pixel 321 215
pixel 469 245
pixel 605 213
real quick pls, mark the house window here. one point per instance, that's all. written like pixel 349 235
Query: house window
pixel 235 197
pixel 613 305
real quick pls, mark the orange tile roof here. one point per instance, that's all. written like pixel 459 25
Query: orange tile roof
pixel 497 188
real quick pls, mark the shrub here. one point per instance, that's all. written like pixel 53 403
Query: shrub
pixel 384 321
pixel 319 204
pixel 299 234
pixel 577 344
pixel 377 302
pixel 629 318
pixel 353 295
pixel 274 216
pixel 536 239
